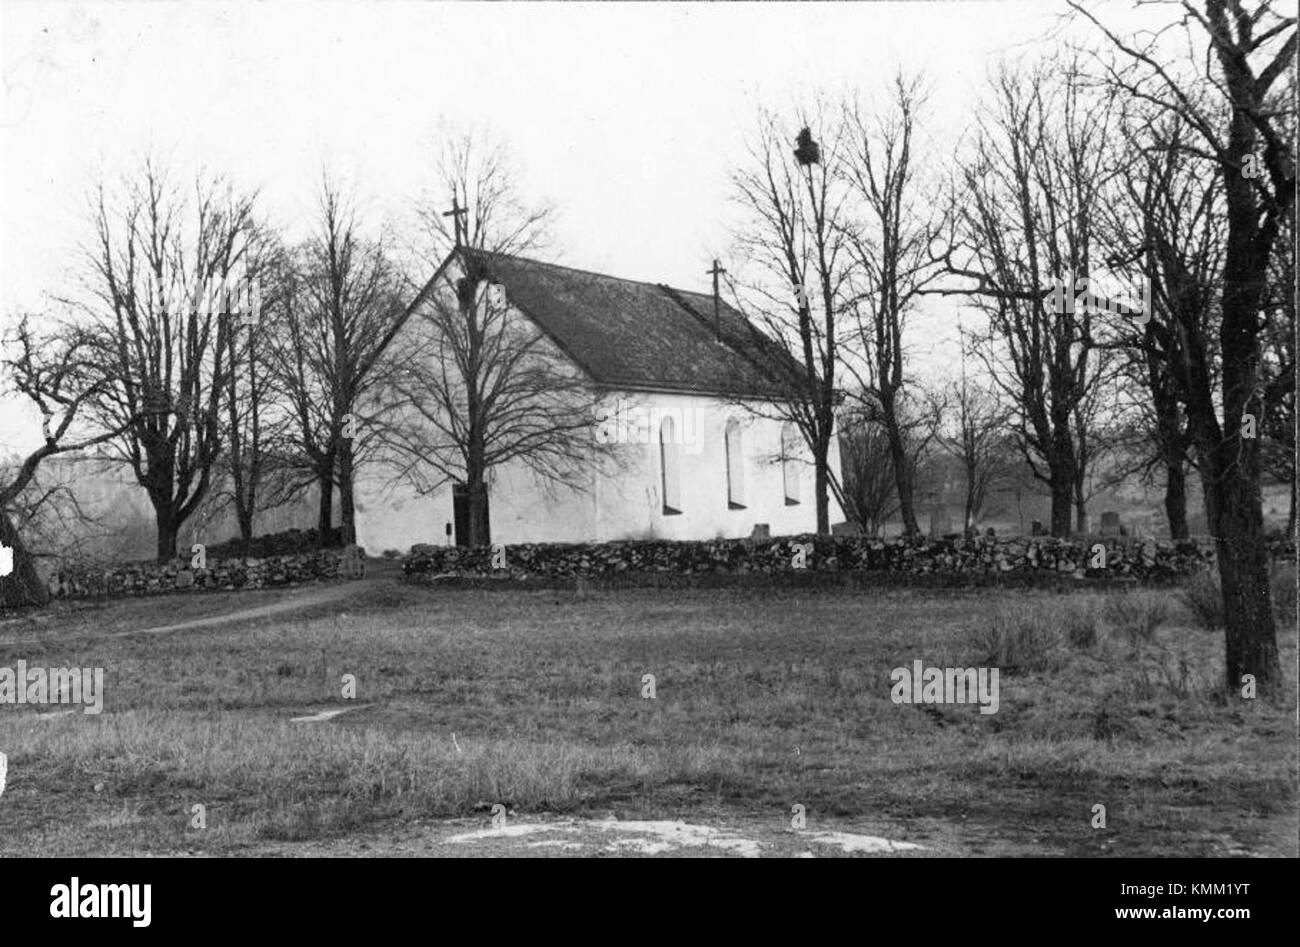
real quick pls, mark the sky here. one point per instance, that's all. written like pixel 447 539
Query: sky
pixel 628 118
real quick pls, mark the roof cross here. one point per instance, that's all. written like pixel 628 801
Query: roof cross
pixel 456 213
pixel 716 271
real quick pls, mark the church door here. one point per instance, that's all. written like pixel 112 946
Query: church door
pixel 460 513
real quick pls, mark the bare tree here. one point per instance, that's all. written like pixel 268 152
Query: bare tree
pixel 159 276
pixel 1241 130
pixel 1278 366
pixel 977 439
pixel 484 386
pixel 890 247
pixel 1166 195
pixel 331 353
pixel 1025 231
pixel 794 199
pixel 254 424
pixel 869 493
pixel 60 375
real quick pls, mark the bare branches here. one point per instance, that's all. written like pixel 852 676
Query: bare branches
pixel 57 374
pixel 889 240
pixel 331 355
pixel 155 311
pixel 794 236
pixel 481 387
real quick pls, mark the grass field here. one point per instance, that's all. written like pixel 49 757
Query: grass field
pixel 765 699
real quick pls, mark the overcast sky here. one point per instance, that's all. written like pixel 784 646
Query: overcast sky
pixel 627 117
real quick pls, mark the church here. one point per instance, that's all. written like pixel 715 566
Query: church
pixel 687 406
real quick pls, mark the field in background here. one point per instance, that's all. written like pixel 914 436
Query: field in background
pixel 764 700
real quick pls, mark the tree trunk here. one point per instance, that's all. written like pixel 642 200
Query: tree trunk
pixel 1290 516
pixel 245 517
pixel 1062 506
pixel 969 519
pixel 23 586
pixel 1080 509
pixel 163 520
pixel 902 474
pixel 1250 639
pixel 1063 470
pixel 1176 500
pixel 822 488
pixel 325 509
pixel 347 499
pixel 480 533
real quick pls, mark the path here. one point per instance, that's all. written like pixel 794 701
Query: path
pixel 376 571
pixel 317 596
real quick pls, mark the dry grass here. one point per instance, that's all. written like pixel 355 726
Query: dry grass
pixel 763 699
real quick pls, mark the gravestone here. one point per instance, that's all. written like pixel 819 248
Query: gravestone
pixel 761 531
pixel 185 579
pixel 353 563
pixel 1110 525
pixel 940 522
pixel 845 529
pixel 1036 528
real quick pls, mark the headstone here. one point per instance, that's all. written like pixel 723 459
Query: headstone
pixel 845 529
pixel 940 522
pixel 353 563
pixel 761 531
pixel 185 579
pixel 1036 529
pixel 1110 525
pixel 990 533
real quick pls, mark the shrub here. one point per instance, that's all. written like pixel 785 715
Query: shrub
pixel 1203 595
pixel 1204 599
pixel 1171 678
pixel 1137 615
pixel 288 543
pixel 1016 639
pixel 1078 621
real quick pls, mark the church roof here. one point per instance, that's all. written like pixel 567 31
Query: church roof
pixel 642 336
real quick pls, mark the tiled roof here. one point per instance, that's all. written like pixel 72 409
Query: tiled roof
pixel 640 336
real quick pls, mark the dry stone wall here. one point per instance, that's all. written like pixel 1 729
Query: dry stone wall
pixel 145 578
pixel 1123 557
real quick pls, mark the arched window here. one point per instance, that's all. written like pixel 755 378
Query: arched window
pixel 790 462
pixel 735 467
pixel 670 466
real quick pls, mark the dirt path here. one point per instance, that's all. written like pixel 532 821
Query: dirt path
pixel 316 596
pixel 377 572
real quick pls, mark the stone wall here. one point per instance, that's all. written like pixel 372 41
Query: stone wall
pixel 1124 557
pixel 147 578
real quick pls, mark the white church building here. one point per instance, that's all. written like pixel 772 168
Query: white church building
pixel 701 451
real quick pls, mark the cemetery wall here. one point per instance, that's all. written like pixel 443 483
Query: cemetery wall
pixel 229 574
pixel 1123 557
